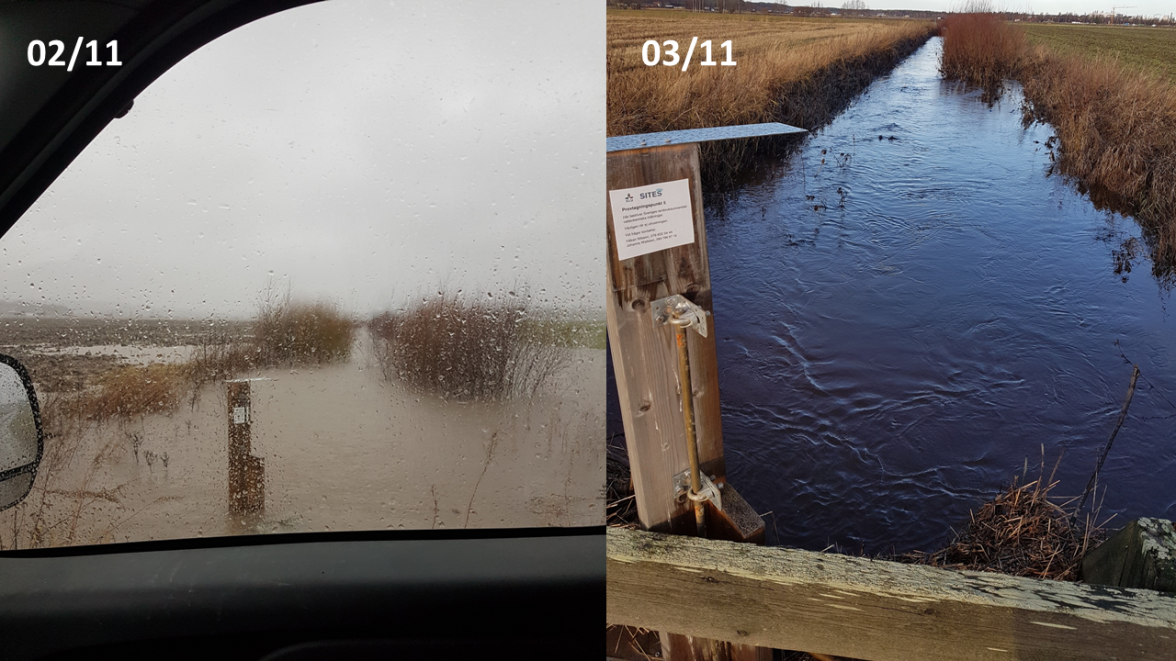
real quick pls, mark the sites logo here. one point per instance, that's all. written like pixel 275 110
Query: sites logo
pixel 651 194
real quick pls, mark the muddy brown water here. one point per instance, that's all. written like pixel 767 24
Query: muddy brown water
pixel 911 307
pixel 344 449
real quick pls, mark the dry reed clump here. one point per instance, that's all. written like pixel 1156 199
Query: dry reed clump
pixel 1021 532
pixel 487 349
pixel 289 333
pixel 217 356
pixel 1116 125
pixel 981 49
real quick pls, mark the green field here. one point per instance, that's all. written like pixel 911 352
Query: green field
pixel 1148 48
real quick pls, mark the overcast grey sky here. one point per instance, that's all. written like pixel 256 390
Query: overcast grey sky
pixel 361 151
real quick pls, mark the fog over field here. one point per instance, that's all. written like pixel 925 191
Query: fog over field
pixel 343 150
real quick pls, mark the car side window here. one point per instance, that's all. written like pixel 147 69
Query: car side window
pixel 331 272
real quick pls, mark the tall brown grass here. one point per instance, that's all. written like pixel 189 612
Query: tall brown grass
pixel 775 56
pixel 797 71
pixel 487 348
pixel 294 333
pixel 1117 128
pixel 217 356
pixel 1116 125
pixel 980 49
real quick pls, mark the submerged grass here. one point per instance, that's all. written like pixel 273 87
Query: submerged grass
pixel 487 348
pixel 81 393
pixel 133 391
pixel 288 333
pixel 1116 124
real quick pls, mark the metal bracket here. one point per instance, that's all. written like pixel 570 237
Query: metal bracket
pixel 710 490
pixel 678 310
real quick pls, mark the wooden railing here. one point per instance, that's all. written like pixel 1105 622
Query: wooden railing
pixel 870 609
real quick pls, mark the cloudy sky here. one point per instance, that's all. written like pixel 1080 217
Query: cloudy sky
pixel 1137 8
pixel 353 150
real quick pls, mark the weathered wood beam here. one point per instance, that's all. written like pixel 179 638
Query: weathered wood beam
pixel 869 609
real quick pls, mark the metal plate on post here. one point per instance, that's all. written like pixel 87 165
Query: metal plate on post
pixel 678 307
pixel 647 140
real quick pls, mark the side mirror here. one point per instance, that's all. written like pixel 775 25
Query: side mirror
pixel 21 438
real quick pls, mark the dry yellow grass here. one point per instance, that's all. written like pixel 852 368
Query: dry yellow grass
pixel 777 58
pixel 1116 122
pixel 1117 127
pixel 127 392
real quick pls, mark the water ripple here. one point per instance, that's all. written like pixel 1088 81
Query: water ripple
pixel 890 358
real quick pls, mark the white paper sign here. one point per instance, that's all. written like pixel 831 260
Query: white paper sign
pixel 241 413
pixel 651 218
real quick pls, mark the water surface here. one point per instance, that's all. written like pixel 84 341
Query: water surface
pixel 911 307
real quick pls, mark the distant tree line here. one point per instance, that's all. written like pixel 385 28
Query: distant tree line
pixel 861 8
pixel 848 8
pixel 725 6
pixel 1094 18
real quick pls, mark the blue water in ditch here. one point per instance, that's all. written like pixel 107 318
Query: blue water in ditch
pixel 903 322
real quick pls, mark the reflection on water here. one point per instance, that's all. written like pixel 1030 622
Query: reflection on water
pixel 911 308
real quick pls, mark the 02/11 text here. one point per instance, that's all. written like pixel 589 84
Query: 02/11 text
pixel 666 53
pixel 51 54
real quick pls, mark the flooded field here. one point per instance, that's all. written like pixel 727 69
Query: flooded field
pixel 911 309
pixel 343 446
pixel 415 307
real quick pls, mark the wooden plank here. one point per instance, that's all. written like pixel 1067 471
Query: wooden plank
pixel 866 609
pixel 1141 555
pixel 736 522
pixel 644 356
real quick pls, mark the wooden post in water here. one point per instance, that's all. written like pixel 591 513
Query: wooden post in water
pixel 657 248
pixel 246 472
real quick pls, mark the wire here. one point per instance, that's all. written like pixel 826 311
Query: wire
pixel 1150 385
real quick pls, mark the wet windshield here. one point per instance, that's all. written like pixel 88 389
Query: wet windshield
pixel 327 274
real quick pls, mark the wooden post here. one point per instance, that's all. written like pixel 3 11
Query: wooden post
pixel 1141 555
pixel 246 472
pixel 645 358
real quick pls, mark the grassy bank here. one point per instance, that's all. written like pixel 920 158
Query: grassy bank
pixel 800 71
pixel 777 59
pixel 1152 50
pixel 1116 123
